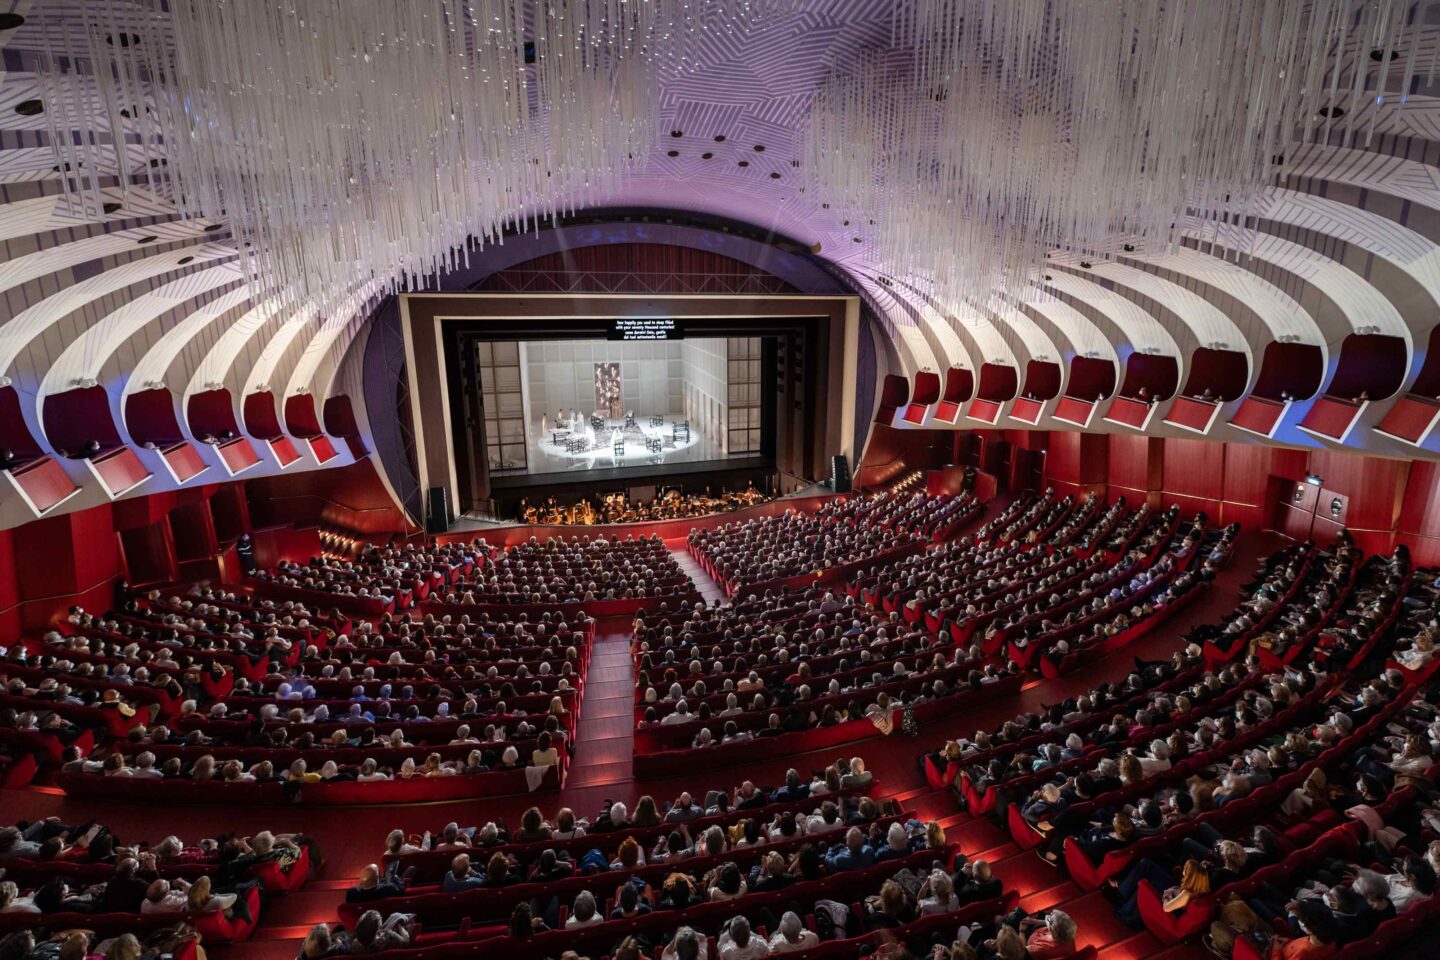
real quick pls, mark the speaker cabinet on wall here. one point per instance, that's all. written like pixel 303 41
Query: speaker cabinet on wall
pixel 839 474
pixel 437 514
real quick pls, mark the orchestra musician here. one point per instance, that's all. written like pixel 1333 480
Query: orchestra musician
pixel 617 508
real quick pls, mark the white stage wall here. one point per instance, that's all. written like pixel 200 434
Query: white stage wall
pixel 561 374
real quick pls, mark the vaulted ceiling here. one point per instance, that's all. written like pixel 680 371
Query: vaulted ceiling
pixel 136 300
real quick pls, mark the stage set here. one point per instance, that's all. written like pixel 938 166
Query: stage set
pixel 597 404
pixel 631 397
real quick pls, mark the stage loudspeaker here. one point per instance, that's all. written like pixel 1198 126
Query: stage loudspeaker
pixel 437 516
pixel 840 474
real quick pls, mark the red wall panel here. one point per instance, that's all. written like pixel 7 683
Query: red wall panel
pixel 149 554
pixel 9 587
pixel 1248 516
pixel 354 498
pixel 1062 462
pixel 890 453
pixel 230 511
pixel 97 556
pixel 1247 469
pixel 1419 524
pixel 1294 522
pixel 1420 510
pixel 1374 486
pixel 1195 469
pixel 1289 463
pixel 192 528
pixel 143 511
pixel 1131 463
pixel 68 559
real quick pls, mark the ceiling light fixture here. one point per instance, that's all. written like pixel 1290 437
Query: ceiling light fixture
pixel 359 141
pixel 1084 122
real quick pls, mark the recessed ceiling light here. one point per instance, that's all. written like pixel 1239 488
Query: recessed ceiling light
pixel 743 163
pixel 706 156
pixel 677 133
pixel 184 260
pixel 774 176
pixel 211 228
pixel 672 153
pixel 759 148
pixel 30 108
pixel 148 238
pixel 719 138
pixel 9 21
pixel 110 208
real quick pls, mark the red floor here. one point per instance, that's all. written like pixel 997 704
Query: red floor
pixel 352 836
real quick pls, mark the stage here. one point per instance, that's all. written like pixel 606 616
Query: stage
pixel 609 443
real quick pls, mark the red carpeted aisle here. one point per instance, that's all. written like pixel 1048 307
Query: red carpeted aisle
pixel 352 837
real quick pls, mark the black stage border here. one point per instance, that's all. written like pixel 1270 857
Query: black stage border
pixel 664 471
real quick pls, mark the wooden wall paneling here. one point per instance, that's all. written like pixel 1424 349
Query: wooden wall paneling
pixel 9 588
pixel 149 553
pixel 192 527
